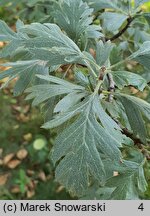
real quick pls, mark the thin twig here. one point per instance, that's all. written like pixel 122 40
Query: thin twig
pixel 137 141
pixel 122 31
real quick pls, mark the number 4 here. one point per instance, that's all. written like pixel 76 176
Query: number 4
pixel 141 207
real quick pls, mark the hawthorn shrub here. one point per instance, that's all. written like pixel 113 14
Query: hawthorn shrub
pixel 87 71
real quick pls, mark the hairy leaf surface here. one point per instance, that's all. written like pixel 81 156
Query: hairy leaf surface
pixel 125 78
pixel 74 17
pixel 50 44
pixel 41 93
pixel 143 54
pixel 113 21
pixel 26 71
pixel 127 180
pixel 80 155
pixel 134 108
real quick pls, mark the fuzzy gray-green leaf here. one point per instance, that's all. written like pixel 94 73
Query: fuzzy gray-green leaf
pixel 113 21
pixel 26 71
pixel 125 78
pixel 75 18
pixel 143 54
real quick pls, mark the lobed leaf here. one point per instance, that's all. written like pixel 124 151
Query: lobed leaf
pixel 125 78
pixel 6 34
pixel 142 105
pixel 113 21
pixel 76 149
pixel 129 180
pixel 143 54
pixel 75 18
pixel 134 107
pixel 98 5
pixel 103 51
pixel 147 17
pixel 50 44
pixel 25 71
pixel 60 81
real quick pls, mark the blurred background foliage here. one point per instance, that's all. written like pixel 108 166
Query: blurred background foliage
pixel 26 10
pixel 26 171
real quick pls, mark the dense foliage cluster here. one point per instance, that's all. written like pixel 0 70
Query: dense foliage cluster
pixel 82 70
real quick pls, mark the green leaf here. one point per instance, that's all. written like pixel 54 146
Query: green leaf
pixel 143 54
pixel 98 5
pixel 77 147
pixel 116 56
pixel 75 18
pixel 65 116
pixel 69 101
pixel 91 193
pixel 113 21
pixel 143 50
pixel 80 108
pixel 133 111
pixel 142 183
pixel 14 39
pixel 104 193
pixel 140 2
pixel 26 71
pixel 144 60
pixel 125 78
pixel 81 78
pixel 103 52
pixel 10 49
pixel 129 180
pixel 62 82
pixel 122 185
pixel 147 17
pixel 126 167
pixel 108 123
pixel 93 32
pixel 142 105
pixel 19 25
pixel 41 93
pixel 47 108
pixel 6 34
pixel 82 157
pixel 50 44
